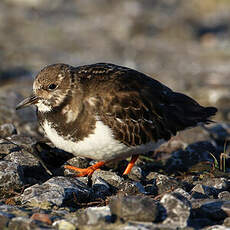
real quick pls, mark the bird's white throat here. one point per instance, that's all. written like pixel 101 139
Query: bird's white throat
pixel 42 107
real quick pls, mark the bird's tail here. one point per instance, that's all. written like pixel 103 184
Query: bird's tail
pixel 184 112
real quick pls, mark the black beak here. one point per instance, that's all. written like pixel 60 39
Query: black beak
pixel 28 101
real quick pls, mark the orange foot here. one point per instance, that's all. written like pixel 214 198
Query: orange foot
pixel 90 170
pixel 85 172
pixel 131 164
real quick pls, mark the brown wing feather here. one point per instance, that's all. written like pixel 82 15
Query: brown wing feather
pixel 138 108
pixel 132 122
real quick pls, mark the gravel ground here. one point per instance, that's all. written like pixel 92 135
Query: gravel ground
pixel 184 184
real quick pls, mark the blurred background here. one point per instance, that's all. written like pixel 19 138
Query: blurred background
pixel 183 44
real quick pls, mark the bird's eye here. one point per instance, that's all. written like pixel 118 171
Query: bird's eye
pixel 52 86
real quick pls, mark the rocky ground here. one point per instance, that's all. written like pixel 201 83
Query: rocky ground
pixel 185 183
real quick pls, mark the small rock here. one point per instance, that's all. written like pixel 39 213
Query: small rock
pixel 178 209
pixel 95 215
pixel 63 225
pixel 195 153
pixel 136 173
pixel 137 208
pixel 164 183
pixel 4 219
pixel 197 203
pixel 55 191
pixel 215 227
pixel 11 178
pixel 213 210
pixel 140 187
pixel 226 208
pixel 101 188
pixel 219 132
pixel 200 191
pixel 200 223
pixel 42 217
pixel 227 222
pixel 141 226
pixel 6 147
pixel 24 159
pixel 13 210
pixel 110 177
pixel 30 165
pixel 183 193
pixel 219 183
pixel 131 187
pixel 23 141
pixel 79 162
pixel 7 130
pixel 23 222
pixel 225 195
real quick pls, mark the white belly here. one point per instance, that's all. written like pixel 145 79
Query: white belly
pixel 101 145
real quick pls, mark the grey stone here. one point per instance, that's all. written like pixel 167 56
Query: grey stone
pixel 6 147
pixel 148 226
pixel 200 191
pixel 95 215
pixel 219 183
pixel 227 222
pixel 24 141
pixel 215 227
pixel 136 208
pixel 197 203
pixel 7 130
pixel 225 195
pixel 140 187
pixel 63 225
pixel 177 208
pixel 110 177
pixel 226 207
pixel 183 193
pixel 20 223
pixel 101 188
pixel 169 37
pixel 23 158
pixel 136 173
pixel 55 192
pixel 182 160
pixel 164 183
pixel 213 210
pixel 4 219
pixel 200 222
pixel 13 210
pixel 11 178
pixel 79 162
pixel 131 187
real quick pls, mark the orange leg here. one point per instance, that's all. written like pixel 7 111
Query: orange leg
pixel 130 165
pixel 85 172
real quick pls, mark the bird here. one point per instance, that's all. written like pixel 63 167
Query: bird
pixel 107 112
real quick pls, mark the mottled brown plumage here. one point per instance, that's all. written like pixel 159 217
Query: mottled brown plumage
pixel 136 108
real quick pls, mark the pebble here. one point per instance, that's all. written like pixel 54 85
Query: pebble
pixel 213 210
pixel 187 42
pixel 55 192
pixel 177 208
pixel 11 178
pixel 63 225
pixel 138 208
pixel 95 215
pixel 7 130
pixel 101 188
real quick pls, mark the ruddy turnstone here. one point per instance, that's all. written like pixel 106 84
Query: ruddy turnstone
pixel 106 112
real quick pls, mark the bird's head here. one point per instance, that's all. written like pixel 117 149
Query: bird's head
pixel 50 88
